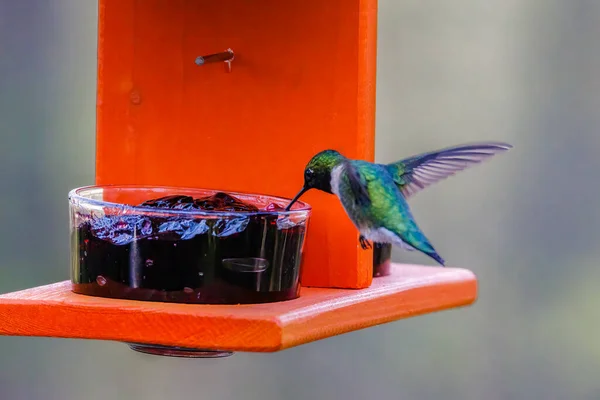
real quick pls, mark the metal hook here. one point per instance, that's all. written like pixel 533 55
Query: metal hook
pixel 226 56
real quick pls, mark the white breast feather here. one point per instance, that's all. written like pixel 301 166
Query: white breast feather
pixel 336 174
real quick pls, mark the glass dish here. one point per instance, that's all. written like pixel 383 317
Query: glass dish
pixel 167 244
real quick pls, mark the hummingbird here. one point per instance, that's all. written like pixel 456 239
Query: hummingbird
pixel 374 196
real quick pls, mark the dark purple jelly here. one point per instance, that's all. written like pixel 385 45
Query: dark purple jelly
pixel 252 256
pixel 382 255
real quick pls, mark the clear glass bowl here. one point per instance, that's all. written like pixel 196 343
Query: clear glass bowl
pixel 126 245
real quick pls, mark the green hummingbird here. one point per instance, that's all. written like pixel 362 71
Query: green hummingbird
pixel 374 195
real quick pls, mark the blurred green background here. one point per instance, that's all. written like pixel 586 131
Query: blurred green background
pixel 526 72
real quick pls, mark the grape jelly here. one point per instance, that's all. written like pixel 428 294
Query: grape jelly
pixel 230 252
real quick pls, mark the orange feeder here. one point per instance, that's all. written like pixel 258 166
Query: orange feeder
pixel 237 96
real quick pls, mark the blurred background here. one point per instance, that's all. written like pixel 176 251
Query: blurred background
pixel 526 72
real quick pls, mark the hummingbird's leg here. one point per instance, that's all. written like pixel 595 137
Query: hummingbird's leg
pixel 364 243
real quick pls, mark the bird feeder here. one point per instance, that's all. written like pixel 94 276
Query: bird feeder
pixel 236 96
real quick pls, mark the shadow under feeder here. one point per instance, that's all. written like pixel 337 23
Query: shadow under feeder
pixel 169 115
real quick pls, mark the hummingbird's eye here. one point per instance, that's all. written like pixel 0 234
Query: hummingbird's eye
pixel 309 173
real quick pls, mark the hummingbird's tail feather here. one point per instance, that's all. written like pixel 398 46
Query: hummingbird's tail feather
pixel 417 240
pixel 437 258
pixel 426 248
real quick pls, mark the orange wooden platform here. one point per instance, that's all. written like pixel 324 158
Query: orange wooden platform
pixel 55 311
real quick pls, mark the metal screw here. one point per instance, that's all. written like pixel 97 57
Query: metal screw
pixel 226 56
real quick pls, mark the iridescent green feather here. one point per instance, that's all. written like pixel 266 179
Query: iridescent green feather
pixel 387 208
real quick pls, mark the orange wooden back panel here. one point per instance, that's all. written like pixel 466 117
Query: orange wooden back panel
pixel 303 80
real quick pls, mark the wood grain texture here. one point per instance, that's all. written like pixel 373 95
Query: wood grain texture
pixel 303 80
pixel 55 311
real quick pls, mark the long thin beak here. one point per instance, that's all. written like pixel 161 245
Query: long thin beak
pixel 295 199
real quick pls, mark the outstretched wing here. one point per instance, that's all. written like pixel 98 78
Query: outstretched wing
pixel 416 173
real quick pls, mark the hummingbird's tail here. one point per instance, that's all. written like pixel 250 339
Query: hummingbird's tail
pixel 436 257
pixel 413 237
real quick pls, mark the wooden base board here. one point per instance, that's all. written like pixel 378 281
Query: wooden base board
pixel 55 311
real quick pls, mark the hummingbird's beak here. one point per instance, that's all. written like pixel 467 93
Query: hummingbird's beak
pixel 300 193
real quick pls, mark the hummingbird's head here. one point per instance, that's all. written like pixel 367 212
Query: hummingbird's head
pixel 317 173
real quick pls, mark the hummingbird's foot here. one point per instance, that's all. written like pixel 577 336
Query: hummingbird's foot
pixel 364 243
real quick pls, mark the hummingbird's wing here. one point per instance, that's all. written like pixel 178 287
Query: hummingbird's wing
pixel 357 183
pixel 413 174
